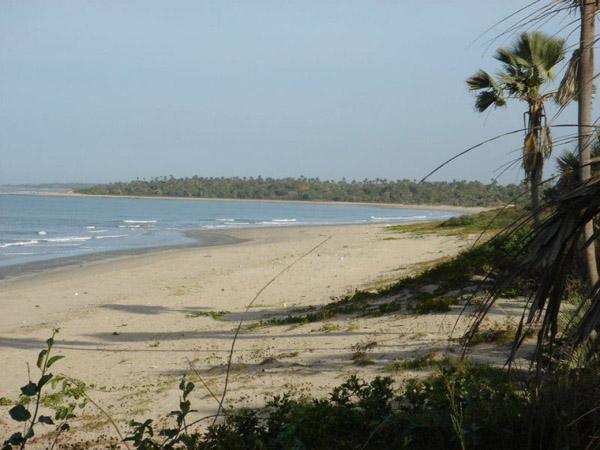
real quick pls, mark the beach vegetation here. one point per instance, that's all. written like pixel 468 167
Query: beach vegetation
pixel 461 404
pixel 426 303
pixel 28 410
pixel 362 358
pixel 417 362
pixel 217 315
pixel 329 327
pixel 484 223
pixel 497 333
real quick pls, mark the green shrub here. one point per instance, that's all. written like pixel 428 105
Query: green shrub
pixel 433 305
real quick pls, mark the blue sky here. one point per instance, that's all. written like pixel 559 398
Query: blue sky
pixel 108 90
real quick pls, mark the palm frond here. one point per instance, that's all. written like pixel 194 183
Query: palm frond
pixel 506 57
pixel 551 254
pixel 569 85
pixel 485 99
pixel 546 141
pixel 538 51
pixel 491 93
pixel 481 80
pixel 530 149
pixel 568 169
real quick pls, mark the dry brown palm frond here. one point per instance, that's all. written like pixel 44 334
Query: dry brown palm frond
pixel 569 86
pixel 546 142
pixel 530 148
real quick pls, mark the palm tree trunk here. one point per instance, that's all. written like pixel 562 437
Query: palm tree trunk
pixel 586 74
pixel 536 180
pixel 534 157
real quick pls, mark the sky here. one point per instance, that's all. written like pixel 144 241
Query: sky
pixel 109 90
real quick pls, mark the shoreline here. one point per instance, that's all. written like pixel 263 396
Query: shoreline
pixel 214 238
pixel 463 209
pixel 28 269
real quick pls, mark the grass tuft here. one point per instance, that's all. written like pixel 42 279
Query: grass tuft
pixel 217 315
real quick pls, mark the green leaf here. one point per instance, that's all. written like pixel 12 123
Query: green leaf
pixel 40 360
pixel 15 439
pixel 185 407
pixel 46 419
pixel 169 432
pixel 30 389
pixel 188 388
pixel 53 360
pixel 44 380
pixel 19 413
pixel 61 413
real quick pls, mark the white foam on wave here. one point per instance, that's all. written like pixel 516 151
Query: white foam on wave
pixel 215 227
pixel 42 233
pixel 130 226
pixel 399 218
pixel 265 223
pixel 275 223
pixel 97 231
pixel 139 221
pixel 20 253
pixel 19 243
pixel 226 220
pixel 68 239
pixel 91 227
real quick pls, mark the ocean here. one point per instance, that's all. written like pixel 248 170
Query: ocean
pixel 36 227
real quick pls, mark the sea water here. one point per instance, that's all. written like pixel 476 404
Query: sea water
pixel 37 227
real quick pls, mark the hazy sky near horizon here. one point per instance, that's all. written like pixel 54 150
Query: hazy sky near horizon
pixel 107 90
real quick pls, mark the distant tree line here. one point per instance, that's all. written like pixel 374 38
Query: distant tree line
pixel 459 193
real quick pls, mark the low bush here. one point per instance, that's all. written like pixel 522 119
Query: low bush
pixel 460 406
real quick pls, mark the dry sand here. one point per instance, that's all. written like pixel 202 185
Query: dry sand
pixel 125 327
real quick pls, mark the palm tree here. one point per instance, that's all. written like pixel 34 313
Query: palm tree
pixel 578 83
pixel 527 67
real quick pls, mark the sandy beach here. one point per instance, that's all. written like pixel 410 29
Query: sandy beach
pixel 132 326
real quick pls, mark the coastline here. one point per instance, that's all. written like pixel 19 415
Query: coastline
pixel 463 209
pixel 18 271
pixel 204 239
